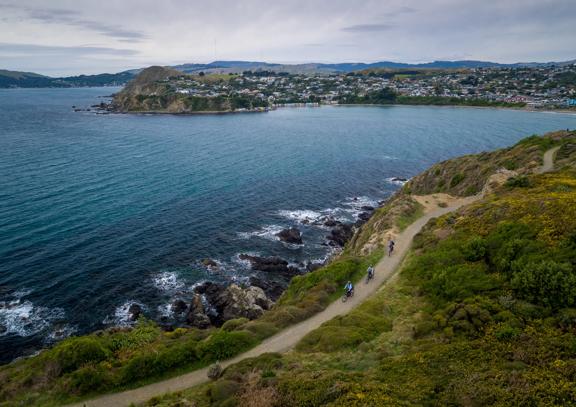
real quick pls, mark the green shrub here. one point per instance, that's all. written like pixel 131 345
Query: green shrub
pixel 567 318
pixel 223 345
pixel 89 378
pixel 510 164
pixel 140 366
pixel 471 190
pixel 506 332
pixel 264 362
pixel 234 324
pixel 223 390
pixel 459 282
pixel 261 330
pixel 315 390
pixel 143 333
pixel 546 282
pixel 518 182
pixel 75 352
pixel 456 179
pixel 475 249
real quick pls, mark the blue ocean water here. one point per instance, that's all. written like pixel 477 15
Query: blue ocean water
pixel 100 211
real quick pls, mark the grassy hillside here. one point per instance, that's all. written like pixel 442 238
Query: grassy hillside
pixel 462 176
pixel 464 261
pixel 483 312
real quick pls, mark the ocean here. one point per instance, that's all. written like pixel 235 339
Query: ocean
pixel 101 211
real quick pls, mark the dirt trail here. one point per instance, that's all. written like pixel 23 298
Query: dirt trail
pixel 548 164
pixel 289 337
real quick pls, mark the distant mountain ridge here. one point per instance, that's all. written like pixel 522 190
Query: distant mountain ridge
pixel 9 79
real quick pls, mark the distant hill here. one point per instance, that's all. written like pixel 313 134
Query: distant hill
pixel 14 79
pixel 9 79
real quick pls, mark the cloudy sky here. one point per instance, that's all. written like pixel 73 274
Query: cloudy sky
pixel 62 37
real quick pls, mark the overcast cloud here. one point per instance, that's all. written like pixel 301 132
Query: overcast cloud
pixel 63 37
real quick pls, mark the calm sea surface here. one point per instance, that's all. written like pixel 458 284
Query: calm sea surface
pixel 101 211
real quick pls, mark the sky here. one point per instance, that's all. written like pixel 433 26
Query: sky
pixel 67 37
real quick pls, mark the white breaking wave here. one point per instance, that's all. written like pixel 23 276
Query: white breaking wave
pixel 359 201
pixel 121 316
pixel 23 318
pixel 302 215
pixel 396 181
pixel 267 232
pixel 168 281
pixel 244 263
pixel 165 310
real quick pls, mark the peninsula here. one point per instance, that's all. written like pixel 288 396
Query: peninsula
pixel 166 90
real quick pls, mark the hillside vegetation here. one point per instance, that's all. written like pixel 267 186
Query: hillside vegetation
pixel 483 312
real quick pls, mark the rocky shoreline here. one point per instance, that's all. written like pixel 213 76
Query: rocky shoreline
pixel 211 304
pixel 111 108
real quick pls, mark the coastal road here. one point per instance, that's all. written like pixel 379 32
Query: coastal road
pixel 288 338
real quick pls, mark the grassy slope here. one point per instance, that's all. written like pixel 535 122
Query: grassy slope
pixel 117 359
pixel 483 313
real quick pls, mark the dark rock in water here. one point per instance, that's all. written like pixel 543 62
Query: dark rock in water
pixel 291 235
pixel 367 208
pixel 331 222
pixel 364 216
pixel 196 315
pixel 210 263
pixel 272 289
pixel 210 290
pixel 3 329
pixel 340 235
pixel 399 179
pixel 270 264
pixel 179 307
pixel 134 312
pixel 382 203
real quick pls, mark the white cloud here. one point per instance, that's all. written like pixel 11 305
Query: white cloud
pixel 129 33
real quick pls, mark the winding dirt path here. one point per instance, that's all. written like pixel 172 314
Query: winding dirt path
pixel 548 164
pixel 288 338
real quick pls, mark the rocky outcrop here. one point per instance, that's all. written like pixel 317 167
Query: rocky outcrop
pixel 134 312
pixel 291 235
pixel 270 264
pixel 236 302
pixel 340 235
pixel 179 307
pixel 228 302
pixel 364 216
pixel 272 289
pixel 196 316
